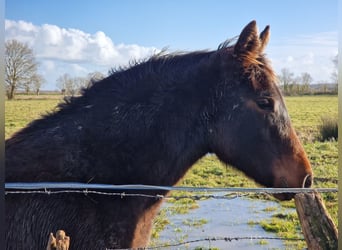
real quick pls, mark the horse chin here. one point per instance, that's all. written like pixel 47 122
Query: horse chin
pixel 283 196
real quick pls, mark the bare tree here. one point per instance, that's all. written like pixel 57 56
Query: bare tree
pixel 64 83
pixel 20 64
pixel 286 78
pixel 79 83
pixel 94 77
pixel 71 85
pixel 306 80
pixel 37 82
pixel 27 86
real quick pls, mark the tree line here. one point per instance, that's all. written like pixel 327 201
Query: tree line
pixel 21 69
pixel 71 86
pixel 21 74
pixel 302 84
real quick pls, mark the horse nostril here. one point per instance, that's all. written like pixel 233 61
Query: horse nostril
pixel 307 181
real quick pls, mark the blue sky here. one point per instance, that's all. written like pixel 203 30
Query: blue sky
pixel 303 33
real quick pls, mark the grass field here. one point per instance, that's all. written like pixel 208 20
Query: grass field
pixel 19 112
pixel 305 113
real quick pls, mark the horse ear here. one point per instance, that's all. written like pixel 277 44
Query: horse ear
pixel 264 38
pixel 248 44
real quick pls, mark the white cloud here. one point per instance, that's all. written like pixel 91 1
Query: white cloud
pixel 306 53
pixel 63 50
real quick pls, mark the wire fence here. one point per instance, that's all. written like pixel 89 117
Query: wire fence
pixel 211 240
pixel 73 187
pixel 150 191
pixel 123 191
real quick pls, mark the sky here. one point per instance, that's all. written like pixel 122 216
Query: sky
pixel 83 36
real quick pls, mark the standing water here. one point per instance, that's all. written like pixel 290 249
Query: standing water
pixel 224 218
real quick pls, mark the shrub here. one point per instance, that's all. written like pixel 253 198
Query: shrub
pixel 329 128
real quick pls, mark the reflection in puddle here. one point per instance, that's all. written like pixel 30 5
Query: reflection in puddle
pixel 220 219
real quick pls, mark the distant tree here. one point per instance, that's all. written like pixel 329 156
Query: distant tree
pixel 93 77
pixel 324 88
pixel 286 78
pixel 20 65
pixel 71 85
pixel 26 86
pixel 334 74
pixel 306 80
pixel 293 87
pixel 79 83
pixel 30 84
pixel 65 84
pixel 37 82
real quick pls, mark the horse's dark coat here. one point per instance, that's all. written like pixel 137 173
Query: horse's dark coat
pixel 147 125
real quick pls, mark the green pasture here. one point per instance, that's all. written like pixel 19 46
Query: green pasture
pixel 20 112
pixel 305 112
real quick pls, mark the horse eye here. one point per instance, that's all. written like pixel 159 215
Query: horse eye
pixel 265 103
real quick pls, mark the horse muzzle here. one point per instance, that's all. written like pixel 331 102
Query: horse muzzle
pixel 283 183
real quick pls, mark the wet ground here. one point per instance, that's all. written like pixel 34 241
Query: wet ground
pixel 219 219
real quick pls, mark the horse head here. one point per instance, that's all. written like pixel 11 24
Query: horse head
pixel 251 128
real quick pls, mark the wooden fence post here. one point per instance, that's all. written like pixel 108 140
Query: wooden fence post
pixel 319 230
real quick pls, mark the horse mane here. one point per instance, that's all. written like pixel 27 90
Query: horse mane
pixel 180 65
pixel 184 64
pixel 228 44
pixel 253 68
pixel 156 62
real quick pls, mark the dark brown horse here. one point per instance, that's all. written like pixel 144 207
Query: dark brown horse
pixel 148 124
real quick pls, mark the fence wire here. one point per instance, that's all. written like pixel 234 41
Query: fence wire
pixel 211 240
pixel 49 188
pixel 123 191
pixel 72 187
